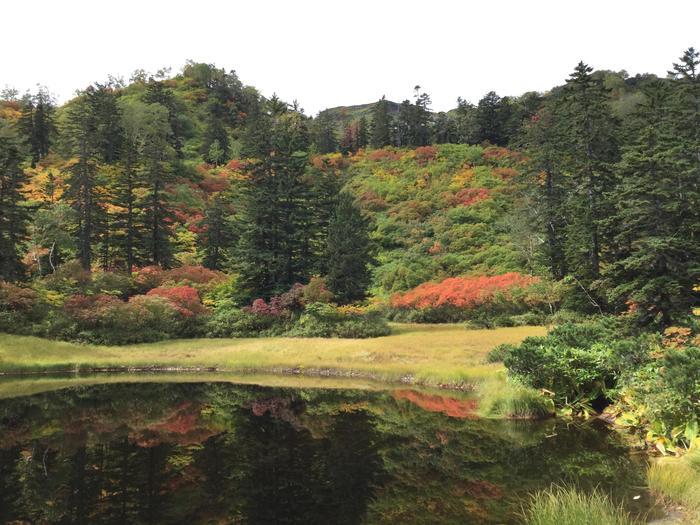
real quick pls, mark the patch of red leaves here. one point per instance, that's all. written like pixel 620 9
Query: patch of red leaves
pixel 469 196
pixel 460 408
pixel 462 292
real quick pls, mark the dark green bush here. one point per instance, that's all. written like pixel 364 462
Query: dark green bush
pixel 498 353
pixel 231 321
pixel 667 389
pixel 578 361
pixel 327 320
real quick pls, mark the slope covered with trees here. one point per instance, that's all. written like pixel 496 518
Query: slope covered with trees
pixel 590 187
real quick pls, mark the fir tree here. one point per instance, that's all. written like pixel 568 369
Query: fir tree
pixel 83 187
pixel 381 124
pixel 655 263
pixel 589 149
pixel 348 252
pixel 13 215
pixel 273 242
pixel 324 136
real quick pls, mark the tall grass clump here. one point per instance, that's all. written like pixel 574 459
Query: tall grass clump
pixel 568 506
pixel 515 401
pixel 677 480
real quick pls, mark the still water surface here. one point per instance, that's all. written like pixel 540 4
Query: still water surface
pixel 224 453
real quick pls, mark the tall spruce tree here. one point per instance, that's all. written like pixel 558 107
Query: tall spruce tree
pixel 542 138
pixel 381 127
pixel 492 118
pixel 13 215
pixel 362 137
pixel 324 134
pixel 590 149
pixel 655 258
pixel 82 173
pixel 218 235
pixel 273 242
pixel 157 172
pixel 348 252
pixel 36 124
pixel 685 107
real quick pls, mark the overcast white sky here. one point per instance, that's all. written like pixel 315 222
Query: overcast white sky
pixel 330 53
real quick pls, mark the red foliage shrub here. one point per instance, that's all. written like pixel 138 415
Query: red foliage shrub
pixel 235 165
pixel 505 173
pixel 462 292
pixel 469 196
pixel 184 298
pixel 497 153
pixel 91 309
pixel 383 154
pixel 193 275
pixel 15 298
pixel 149 277
pixel 371 201
pixel 213 183
pixel 272 309
pixel 425 154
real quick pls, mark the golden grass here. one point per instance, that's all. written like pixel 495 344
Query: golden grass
pixel 432 354
pixel 25 385
pixel 568 506
pixel 677 480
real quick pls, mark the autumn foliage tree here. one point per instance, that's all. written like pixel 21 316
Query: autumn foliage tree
pixel 462 292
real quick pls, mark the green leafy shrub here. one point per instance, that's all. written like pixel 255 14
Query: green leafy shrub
pixel 498 353
pixel 111 283
pixel 230 321
pixel 578 361
pixel 70 278
pixel 327 320
pixel 666 392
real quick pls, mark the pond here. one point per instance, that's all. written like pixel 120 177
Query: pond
pixel 216 452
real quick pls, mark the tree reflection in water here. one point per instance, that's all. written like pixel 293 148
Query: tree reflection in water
pixel 222 453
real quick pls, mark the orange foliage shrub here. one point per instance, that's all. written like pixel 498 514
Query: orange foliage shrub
pixel 425 154
pixel 185 299
pixel 235 165
pixel 371 201
pixel 462 292
pixel 505 173
pixel 497 153
pixel 214 182
pixel 383 154
pixel 330 161
pixel 469 196
pixel 193 275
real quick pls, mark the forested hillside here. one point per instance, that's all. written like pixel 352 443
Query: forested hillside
pixel 592 188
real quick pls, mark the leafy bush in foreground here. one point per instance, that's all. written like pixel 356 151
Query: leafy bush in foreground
pixel 666 392
pixel 578 361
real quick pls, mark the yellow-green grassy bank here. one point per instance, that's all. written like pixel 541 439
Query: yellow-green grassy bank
pixel 429 354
